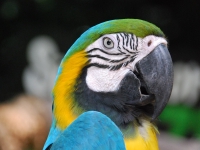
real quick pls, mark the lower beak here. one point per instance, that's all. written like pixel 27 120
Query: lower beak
pixel 156 71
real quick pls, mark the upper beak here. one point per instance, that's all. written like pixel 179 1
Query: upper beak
pixel 156 71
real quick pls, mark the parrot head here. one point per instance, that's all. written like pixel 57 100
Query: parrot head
pixel 121 68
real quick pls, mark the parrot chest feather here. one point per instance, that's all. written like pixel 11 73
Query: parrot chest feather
pixel 141 137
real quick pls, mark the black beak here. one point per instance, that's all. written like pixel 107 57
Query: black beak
pixel 156 73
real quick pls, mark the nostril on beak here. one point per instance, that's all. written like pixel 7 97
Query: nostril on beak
pixel 149 43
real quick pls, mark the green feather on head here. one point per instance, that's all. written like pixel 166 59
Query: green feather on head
pixel 138 27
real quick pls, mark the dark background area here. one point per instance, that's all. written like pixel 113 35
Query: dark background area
pixel 64 21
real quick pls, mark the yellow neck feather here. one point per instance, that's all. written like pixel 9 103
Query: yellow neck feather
pixel 65 110
pixel 143 138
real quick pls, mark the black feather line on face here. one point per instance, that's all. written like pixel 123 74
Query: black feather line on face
pixel 98 56
pixel 112 67
pixel 128 50
pixel 98 65
pixel 136 44
pixel 106 59
pixel 98 49
pixel 122 37
pixel 117 105
pixel 118 42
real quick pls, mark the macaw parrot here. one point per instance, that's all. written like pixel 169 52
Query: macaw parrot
pixel 111 86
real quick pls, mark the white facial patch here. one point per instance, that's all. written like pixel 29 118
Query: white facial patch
pixel 104 80
pixel 112 56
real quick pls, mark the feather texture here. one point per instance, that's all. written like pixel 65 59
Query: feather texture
pixel 75 92
pixel 90 131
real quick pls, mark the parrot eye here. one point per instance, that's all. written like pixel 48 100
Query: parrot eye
pixel 108 43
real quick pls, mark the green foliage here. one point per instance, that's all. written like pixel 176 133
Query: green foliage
pixel 182 120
